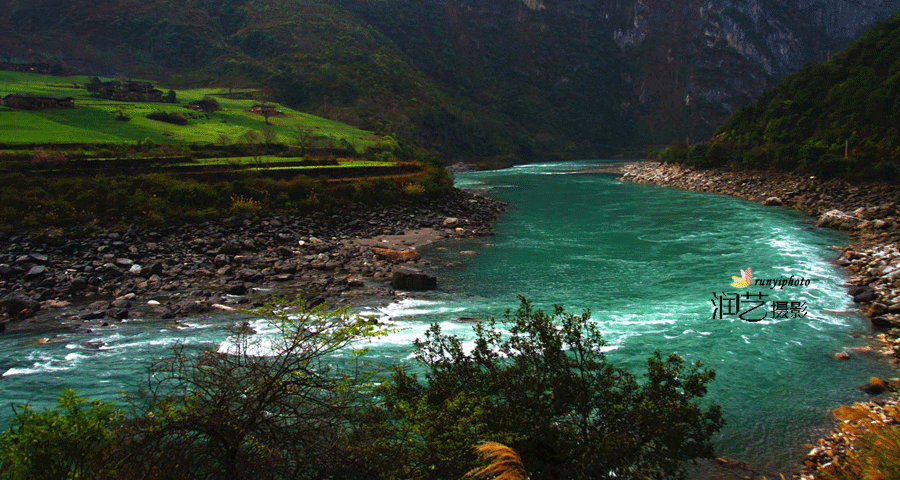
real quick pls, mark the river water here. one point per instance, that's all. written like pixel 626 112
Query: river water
pixel 652 264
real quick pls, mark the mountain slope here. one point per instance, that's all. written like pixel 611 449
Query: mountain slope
pixel 459 77
pixel 835 118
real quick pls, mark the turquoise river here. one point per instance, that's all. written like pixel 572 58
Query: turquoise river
pixel 648 263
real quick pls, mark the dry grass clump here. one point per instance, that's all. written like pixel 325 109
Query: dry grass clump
pixel 874 444
pixel 504 463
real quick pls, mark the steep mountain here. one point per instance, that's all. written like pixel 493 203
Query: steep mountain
pixel 460 77
pixel 835 118
pixel 673 68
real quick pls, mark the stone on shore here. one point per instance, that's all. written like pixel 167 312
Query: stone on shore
pixel 396 255
pixel 838 220
pixel 36 271
pixel 874 387
pixel 15 303
pixel 413 279
pixel 773 201
pixel 862 293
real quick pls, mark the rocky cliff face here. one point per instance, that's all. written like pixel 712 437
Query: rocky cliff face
pixel 686 64
pixel 696 61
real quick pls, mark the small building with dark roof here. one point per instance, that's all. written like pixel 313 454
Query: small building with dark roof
pixel 204 105
pixel 265 109
pixel 25 101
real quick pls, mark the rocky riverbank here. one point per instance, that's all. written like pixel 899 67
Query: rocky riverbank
pixel 869 213
pixel 84 279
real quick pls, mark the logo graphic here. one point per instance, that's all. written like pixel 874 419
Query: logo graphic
pixel 744 280
pixel 750 306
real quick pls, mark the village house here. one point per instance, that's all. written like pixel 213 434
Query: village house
pixel 205 105
pixel 141 89
pixel 267 110
pixel 25 101
pixel 128 91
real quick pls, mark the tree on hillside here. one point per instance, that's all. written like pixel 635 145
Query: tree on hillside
pixel 304 138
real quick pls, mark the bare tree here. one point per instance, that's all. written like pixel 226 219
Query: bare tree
pixel 269 135
pixel 258 408
pixel 304 138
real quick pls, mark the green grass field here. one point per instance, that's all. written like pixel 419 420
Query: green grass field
pixel 93 121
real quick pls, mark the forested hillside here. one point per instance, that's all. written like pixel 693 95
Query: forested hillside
pixel 458 78
pixel 836 118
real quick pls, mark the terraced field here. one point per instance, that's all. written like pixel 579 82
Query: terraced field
pixel 94 120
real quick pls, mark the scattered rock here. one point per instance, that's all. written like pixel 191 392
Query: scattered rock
pixel 413 280
pixel 191 307
pixel 773 201
pixel 15 303
pixel 124 262
pixel 36 271
pixel 186 262
pixel 885 321
pixel 842 356
pixel 838 220
pixel 875 386
pixel 396 255
pixel 56 304
pixel 862 293
pixel 236 288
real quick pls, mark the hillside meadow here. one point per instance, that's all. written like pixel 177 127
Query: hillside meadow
pixel 94 119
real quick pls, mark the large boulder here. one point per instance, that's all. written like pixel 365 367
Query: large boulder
pixel 15 303
pixel 862 293
pixel 396 255
pixel 838 220
pixel 875 386
pixel 413 279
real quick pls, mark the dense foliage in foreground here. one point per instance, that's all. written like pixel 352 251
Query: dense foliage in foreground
pixel 839 118
pixel 291 408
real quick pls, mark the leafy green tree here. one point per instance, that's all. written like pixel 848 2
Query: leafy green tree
pixel 547 390
pixel 71 441
pixel 94 85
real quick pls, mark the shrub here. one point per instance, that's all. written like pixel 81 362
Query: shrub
pixel 42 157
pixel 70 441
pixel 193 195
pixel 243 205
pixel 172 118
pixel 547 390
pixel 413 189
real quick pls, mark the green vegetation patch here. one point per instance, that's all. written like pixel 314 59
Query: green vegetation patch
pixel 94 119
